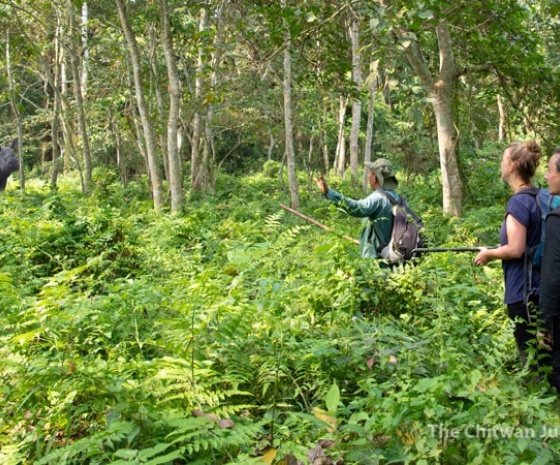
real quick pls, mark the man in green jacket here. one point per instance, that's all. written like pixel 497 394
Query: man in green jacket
pixel 375 209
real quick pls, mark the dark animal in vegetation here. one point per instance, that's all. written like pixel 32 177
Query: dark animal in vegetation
pixel 8 163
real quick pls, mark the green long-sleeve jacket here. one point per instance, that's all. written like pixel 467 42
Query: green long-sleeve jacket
pixel 377 215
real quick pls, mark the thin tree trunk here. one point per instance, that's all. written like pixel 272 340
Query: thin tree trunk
pixel 270 145
pixel 155 176
pixel 66 114
pixel 70 150
pixel 121 159
pixel 368 152
pixel 56 114
pixel 140 142
pixel 88 167
pixel 326 161
pixel 288 121
pixel 175 171
pixel 199 171
pixel 56 109
pixel 15 111
pixel 56 158
pixel 209 154
pixel 155 89
pixel 356 101
pixel 502 121
pixel 85 50
pixel 340 159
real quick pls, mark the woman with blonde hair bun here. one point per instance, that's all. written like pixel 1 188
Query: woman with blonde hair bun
pixel 520 231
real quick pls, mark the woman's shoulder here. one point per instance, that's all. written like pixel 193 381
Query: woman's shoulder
pixel 523 199
pixel 524 208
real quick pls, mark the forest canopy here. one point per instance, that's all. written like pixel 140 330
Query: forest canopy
pixel 180 93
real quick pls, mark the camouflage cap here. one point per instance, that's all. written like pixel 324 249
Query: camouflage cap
pixel 385 173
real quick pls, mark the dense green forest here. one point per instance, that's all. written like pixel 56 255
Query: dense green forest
pixel 157 306
pixel 237 334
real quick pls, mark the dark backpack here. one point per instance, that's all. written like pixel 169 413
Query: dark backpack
pixel 546 203
pixel 533 255
pixel 405 232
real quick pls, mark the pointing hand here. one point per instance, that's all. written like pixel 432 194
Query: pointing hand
pixel 321 184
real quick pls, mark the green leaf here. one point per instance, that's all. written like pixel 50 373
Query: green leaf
pixel 426 14
pixel 128 454
pixel 333 398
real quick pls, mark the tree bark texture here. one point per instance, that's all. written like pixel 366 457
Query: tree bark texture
pixel 368 151
pixel 13 103
pixel 440 92
pixel 81 114
pixel 340 157
pixel 147 130
pixel 356 102
pixel 288 124
pixel 200 177
pixel 174 161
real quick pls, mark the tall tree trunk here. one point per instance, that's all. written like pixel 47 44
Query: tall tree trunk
pixel 155 89
pixel 55 119
pixel 140 142
pixel 288 120
pixel 440 91
pixel 368 152
pixel 71 157
pixel 340 157
pixel 325 145
pixel 175 171
pixel 13 103
pixel 356 101
pixel 199 169
pixel 68 150
pixel 209 154
pixel 147 129
pixel 502 122
pixel 270 145
pixel 77 77
pixel 85 50
pixel 121 159
pixel 56 158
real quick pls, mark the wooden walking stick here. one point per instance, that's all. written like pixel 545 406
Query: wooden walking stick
pixel 450 249
pixel 316 223
pixel 419 250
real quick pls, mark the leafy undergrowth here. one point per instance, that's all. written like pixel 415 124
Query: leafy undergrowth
pixel 238 334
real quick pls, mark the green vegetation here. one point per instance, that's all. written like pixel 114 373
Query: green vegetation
pixel 237 334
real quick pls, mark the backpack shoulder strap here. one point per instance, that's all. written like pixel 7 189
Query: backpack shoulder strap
pixel 390 198
pixel 545 199
pixel 528 289
pixel 400 202
pixel 555 212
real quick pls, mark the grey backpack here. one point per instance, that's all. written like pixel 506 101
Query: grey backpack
pixel 405 232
